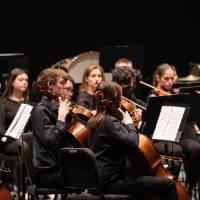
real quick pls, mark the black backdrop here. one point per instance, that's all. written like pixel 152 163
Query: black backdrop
pixel 169 32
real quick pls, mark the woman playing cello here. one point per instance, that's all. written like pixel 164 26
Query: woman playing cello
pixel 113 138
pixel 189 146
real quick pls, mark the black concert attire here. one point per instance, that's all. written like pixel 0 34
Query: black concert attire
pixel 128 92
pixel 49 135
pixel 8 110
pixel 112 142
pixel 188 148
pixel 86 100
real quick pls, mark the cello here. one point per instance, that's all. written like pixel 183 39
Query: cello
pixel 148 161
pixel 78 126
pixel 4 193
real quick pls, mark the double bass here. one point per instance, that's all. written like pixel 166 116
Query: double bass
pixel 147 160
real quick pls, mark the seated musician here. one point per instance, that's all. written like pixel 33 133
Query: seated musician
pixel 93 75
pixel 125 76
pixel 113 139
pixel 164 77
pixel 16 93
pixel 49 127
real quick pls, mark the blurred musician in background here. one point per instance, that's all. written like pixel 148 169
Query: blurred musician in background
pixel 189 147
pixel 92 76
pixel 164 77
pixel 127 78
pixel 121 62
pixel 16 93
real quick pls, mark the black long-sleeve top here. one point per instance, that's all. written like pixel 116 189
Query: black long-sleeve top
pixel 86 100
pixel 8 110
pixel 49 135
pixel 112 142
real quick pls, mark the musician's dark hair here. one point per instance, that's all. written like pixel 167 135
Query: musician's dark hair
pixel 123 75
pixel 108 99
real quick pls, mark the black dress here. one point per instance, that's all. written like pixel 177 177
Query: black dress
pixel 86 100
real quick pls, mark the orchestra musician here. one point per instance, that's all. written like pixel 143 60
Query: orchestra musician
pixel 125 76
pixel 16 93
pixel 113 138
pixel 49 126
pixel 92 76
pixel 121 62
pixel 189 147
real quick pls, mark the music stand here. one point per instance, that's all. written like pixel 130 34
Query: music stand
pixel 155 104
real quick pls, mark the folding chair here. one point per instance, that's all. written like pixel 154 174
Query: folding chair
pixel 79 168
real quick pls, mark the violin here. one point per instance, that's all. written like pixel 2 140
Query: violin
pixel 130 106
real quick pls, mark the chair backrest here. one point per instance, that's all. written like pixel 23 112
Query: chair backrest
pixel 79 168
pixel 27 155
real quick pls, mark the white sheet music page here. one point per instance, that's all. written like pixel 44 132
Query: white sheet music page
pixel 19 122
pixel 168 123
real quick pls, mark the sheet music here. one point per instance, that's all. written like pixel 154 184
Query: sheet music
pixel 169 121
pixel 19 122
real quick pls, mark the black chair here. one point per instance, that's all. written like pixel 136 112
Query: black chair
pixel 27 157
pixel 79 169
pixel 14 160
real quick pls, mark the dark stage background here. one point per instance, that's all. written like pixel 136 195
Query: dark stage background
pixel 169 32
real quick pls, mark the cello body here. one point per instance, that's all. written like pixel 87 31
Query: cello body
pixel 78 126
pixel 4 193
pixel 148 162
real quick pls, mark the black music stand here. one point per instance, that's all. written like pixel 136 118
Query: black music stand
pixel 155 104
